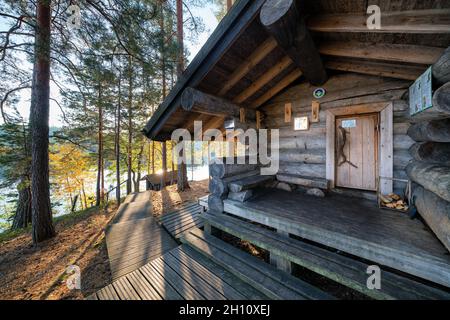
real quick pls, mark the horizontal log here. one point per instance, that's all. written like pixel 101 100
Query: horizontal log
pixel 433 177
pixel 304 156
pixel 441 69
pixel 249 183
pixel 219 186
pixel 302 169
pixel 194 100
pixel 382 51
pixel 303 181
pixel 431 152
pixel 241 196
pixel 222 170
pixel 440 108
pixel 303 142
pixel 441 99
pixel 382 69
pixel 415 21
pixel 281 19
pixel 402 142
pixel 401 159
pixel 435 211
pixel 434 130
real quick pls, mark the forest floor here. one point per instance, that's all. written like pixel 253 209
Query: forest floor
pixel 28 272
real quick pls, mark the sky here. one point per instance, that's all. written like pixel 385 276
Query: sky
pixel 209 20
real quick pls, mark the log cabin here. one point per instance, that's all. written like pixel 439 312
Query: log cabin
pixel 318 66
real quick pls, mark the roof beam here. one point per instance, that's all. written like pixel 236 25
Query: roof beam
pixel 214 123
pixel 259 54
pixel 291 77
pixel 197 101
pixel 281 19
pixel 264 79
pixel 377 68
pixel 416 21
pixel 382 51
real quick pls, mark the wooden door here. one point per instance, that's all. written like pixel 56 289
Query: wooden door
pixel 357 151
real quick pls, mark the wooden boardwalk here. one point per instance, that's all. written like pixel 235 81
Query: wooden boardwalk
pixel 181 274
pixel 206 268
pixel 135 237
pixel 183 219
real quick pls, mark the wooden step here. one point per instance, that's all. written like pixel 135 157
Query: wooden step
pixel 249 183
pixel 308 182
pixel 264 277
pixel 344 270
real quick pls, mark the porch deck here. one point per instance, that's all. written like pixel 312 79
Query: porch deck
pixel 354 226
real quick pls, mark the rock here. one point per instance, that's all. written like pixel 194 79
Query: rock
pixel 315 192
pixel 284 186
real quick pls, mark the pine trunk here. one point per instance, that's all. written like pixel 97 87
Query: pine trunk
pixel 117 138
pixel 100 182
pixel 22 217
pixel 182 181
pixel 130 126
pixel 39 116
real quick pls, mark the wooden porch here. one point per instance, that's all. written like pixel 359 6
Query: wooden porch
pixel 354 226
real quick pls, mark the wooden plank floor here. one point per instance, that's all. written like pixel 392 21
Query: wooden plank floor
pixel 180 274
pixel 353 226
pixel 182 220
pixel 135 237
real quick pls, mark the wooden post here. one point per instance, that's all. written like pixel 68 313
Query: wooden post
pixel 280 262
pixel 282 20
pixel 164 165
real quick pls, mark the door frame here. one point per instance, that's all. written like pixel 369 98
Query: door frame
pixel 386 145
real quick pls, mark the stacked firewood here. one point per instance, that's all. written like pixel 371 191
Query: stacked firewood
pixel 394 201
pixel 232 180
pixel 430 169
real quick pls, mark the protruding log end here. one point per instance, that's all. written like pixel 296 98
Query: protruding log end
pixel 187 99
pixel 281 19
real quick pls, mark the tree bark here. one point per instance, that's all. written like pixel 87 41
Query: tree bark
pixel 39 116
pixel 431 152
pixel 164 165
pixel 130 126
pixel 117 137
pixel 435 130
pixel 180 36
pixel 100 180
pixel 182 181
pixel 22 216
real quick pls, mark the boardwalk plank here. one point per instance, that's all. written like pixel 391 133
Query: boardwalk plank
pixel 142 286
pixel 220 285
pixel 164 289
pixel 203 287
pixel 182 286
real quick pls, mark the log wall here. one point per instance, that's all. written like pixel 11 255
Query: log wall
pixel 303 152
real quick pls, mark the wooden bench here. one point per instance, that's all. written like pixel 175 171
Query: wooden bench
pixel 274 283
pixel 342 269
pixel 153 181
pixel 308 182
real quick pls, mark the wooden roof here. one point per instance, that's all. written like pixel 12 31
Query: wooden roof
pixel 243 64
